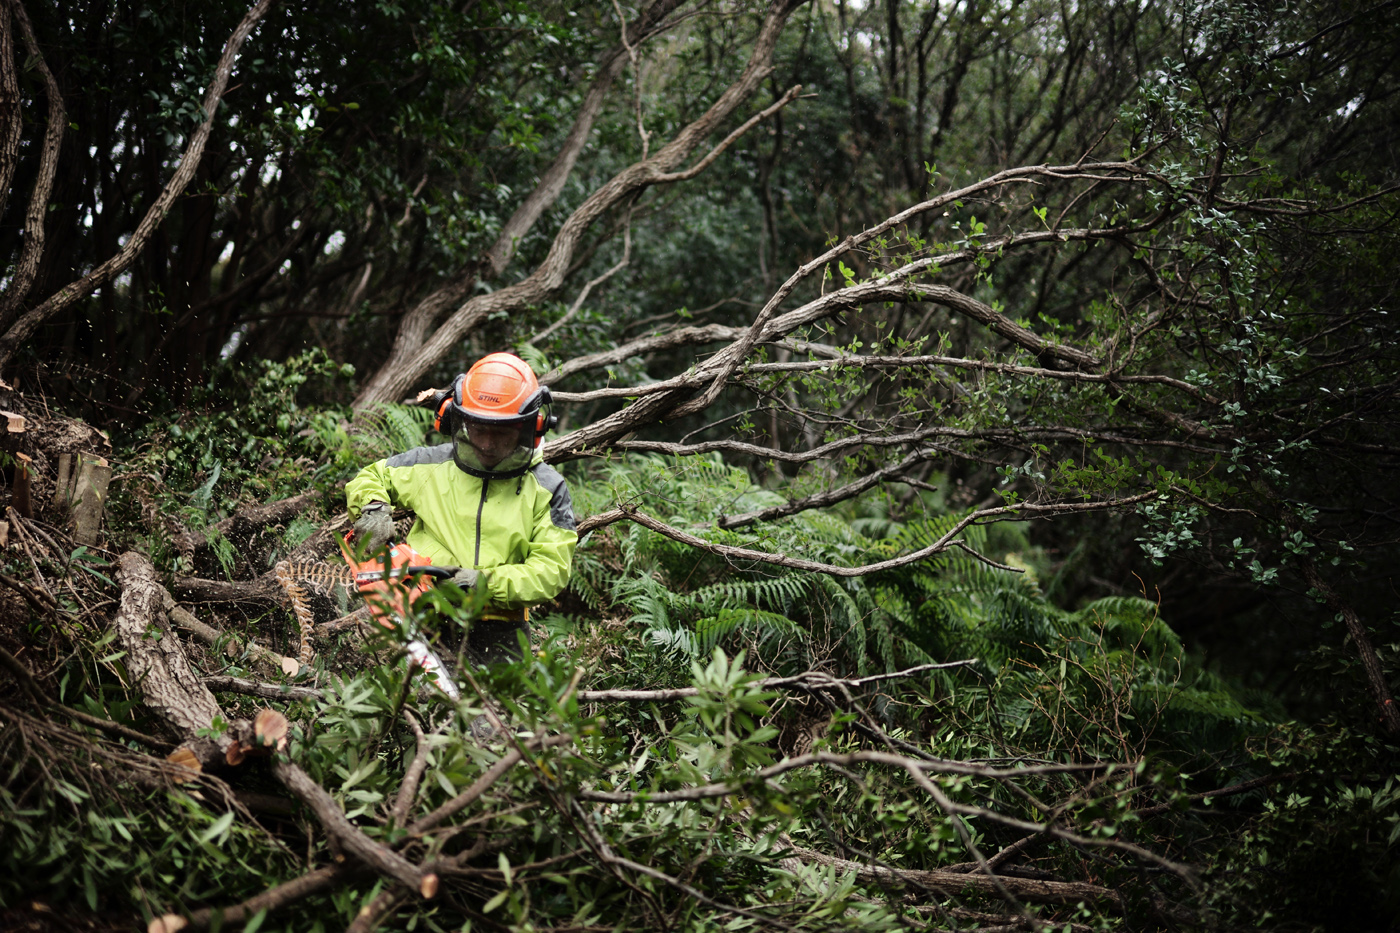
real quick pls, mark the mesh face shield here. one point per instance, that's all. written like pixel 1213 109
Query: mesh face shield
pixel 494 448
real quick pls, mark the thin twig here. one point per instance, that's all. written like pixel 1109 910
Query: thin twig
pixel 482 784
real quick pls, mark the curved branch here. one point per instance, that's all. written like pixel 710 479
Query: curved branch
pixel 383 860
pixel 952 882
pixel 28 323
pixel 28 264
pixel 11 120
pixel 1001 513
pixel 823 499
pixel 393 381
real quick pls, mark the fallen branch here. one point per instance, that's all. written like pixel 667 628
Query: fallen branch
pixel 811 680
pixel 253 688
pixel 830 497
pixel 408 789
pixel 951 883
pixel 1010 512
pixel 156 661
pixel 298 889
pixel 271 661
pixel 482 784
pixel 916 766
pixel 382 859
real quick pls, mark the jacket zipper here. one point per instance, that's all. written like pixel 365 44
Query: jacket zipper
pixel 480 505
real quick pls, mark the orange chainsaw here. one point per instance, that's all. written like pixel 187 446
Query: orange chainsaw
pixel 390 590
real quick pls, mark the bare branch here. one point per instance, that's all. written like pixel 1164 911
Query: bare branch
pixel 408 790
pixel 832 759
pixel 951 882
pixel 955 362
pixel 811 680
pixel 729 140
pixel 1001 513
pixel 23 328
pixel 552 181
pixel 393 380
pixel 383 860
pixel 482 784
pixel 252 688
pixel 28 264
pixel 290 892
pixel 591 284
pixel 830 497
pixel 685 336
pixel 270 661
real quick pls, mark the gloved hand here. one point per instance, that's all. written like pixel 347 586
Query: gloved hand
pixel 374 527
pixel 468 579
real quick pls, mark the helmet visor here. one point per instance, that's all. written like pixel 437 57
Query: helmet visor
pixel 494 448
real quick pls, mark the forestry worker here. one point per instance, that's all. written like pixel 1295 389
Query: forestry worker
pixel 486 502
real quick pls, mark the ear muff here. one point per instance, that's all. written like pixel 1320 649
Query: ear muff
pixel 545 422
pixel 443 402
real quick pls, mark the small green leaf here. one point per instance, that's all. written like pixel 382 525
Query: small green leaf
pixel 220 826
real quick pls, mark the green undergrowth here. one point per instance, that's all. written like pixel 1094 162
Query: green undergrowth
pixel 1094 716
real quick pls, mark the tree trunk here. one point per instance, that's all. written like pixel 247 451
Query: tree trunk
pixel 416 351
pixel 156 661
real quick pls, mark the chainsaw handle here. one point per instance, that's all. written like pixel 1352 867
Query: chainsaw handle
pixel 437 573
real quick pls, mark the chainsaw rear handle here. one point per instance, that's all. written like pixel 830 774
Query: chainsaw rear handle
pixel 398 573
pixel 437 573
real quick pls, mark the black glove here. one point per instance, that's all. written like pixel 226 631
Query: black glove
pixel 374 527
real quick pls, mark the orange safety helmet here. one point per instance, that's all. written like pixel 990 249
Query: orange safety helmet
pixel 498 391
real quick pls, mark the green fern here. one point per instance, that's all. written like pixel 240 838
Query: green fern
pixel 950 606
pixel 389 428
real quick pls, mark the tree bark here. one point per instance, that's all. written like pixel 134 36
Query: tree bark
pixel 10 121
pixel 28 323
pixel 394 380
pixel 156 661
pixel 28 264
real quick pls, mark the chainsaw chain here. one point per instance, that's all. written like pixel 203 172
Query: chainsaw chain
pixel 294 575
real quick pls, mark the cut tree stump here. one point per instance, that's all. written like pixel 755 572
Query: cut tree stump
pixel 21 498
pixel 82 488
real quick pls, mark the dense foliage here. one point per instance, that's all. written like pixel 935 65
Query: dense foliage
pixel 983 463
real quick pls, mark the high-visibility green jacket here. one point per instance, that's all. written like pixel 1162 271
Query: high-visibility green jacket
pixel 518 531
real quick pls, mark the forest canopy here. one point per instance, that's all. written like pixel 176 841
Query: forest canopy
pixel 978 418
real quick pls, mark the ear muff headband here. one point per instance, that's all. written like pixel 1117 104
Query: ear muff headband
pixel 444 422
